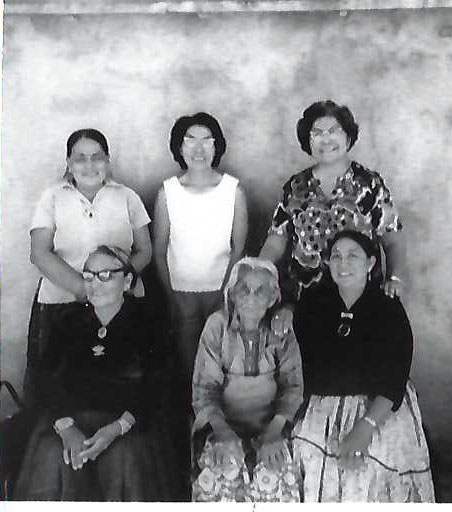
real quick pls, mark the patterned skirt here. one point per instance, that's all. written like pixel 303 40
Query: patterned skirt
pixel 396 466
pixel 247 480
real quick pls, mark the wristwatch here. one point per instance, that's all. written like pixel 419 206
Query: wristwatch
pixel 63 424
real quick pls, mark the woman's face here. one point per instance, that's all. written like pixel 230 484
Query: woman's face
pixel 253 295
pixel 349 264
pixel 198 147
pixel 329 142
pixel 88 164
pixel 107 289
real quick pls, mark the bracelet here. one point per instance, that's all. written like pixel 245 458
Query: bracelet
pixel 371 421
pixel 395 278
pixel 125 425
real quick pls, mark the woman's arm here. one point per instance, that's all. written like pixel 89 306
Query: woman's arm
pixel 274 247
pixel 52 266
pixel 141 249
pixel 394 245
pixel 239 231
pixel 161 238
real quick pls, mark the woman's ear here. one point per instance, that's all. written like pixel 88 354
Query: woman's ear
pixel 372 261
pixel 128 281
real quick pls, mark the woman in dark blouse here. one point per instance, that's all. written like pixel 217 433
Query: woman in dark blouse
pixel 361 437
pixel 98 436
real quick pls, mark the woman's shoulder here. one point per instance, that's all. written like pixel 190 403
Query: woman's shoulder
pixel 382 305
pixel 364 172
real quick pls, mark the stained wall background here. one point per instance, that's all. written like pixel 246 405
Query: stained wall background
pixel 131 75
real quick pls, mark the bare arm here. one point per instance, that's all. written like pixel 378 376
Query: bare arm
pixel 142 249
pixel 394 245
pixel 161 238
pixel 52 266
pixel 239 231
pixel 274 247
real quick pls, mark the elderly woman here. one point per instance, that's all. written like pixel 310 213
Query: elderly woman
pixel 98 435
pixel 83 210
pixel 361 436
pixel 200 229
pixel 247 387
pixel 336 193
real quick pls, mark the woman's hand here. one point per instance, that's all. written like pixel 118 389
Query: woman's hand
pixel 73 439
pixel 100 441
pixel 393 287
pixel 354 446
pixel 282 321
pixel 227 449
pixel 274 455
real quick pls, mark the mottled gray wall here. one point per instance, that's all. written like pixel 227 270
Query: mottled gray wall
pixel 132 75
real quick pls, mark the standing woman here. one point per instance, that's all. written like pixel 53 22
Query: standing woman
pixel 201 224
pixel 334 194
pixel 84 210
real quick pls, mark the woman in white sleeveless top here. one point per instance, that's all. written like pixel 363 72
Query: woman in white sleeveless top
pixel 200 229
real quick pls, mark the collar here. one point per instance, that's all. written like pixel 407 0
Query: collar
pixel 65 184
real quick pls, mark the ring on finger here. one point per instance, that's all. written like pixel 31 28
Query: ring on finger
pixel 358 454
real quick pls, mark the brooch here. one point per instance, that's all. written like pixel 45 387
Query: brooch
pixel 98 350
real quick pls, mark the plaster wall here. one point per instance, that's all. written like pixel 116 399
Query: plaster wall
pixel 132 75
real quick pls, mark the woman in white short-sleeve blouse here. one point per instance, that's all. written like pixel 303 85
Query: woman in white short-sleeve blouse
pixel 73 217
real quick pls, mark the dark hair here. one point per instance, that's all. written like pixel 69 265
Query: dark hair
pixel 180 128
pixel 326 108
pixel 86 133
pixel 118 254
pixel 368 246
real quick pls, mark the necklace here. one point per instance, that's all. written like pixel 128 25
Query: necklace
pixel 345 327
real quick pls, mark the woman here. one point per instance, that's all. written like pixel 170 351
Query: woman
pixel 361 436
pixel 99 435
pixel 86 209
pixel 247 387
pixel 336 193
pixel 200 229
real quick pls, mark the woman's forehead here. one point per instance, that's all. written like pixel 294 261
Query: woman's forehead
pixel 255 276
pixel 198 131
pixel 347 244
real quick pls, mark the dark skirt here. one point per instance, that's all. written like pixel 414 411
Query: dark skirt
pixel 135 467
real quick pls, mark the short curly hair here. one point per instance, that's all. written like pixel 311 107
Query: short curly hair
pixel 180 128
pixel 326 108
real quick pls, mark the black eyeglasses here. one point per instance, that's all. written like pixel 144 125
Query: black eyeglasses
pixel 103 275
pixel 345 327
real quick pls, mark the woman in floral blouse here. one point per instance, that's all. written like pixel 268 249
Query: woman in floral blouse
pixel 334 194
pixel 247 387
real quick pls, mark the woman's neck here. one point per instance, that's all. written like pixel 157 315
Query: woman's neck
pixel 90 194
pixel 107 313
pixel 248 325
pixel 351 295
pixel 332 170
pixel 201 177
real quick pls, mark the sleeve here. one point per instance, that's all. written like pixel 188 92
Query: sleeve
pixel 289 378
pixel 44 214
pixel 208 377
pixel 282 218
pixel 137 212
pixel 393 362
pixel 385 216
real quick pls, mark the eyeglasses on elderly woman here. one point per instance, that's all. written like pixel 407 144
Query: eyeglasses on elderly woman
pixel 103 275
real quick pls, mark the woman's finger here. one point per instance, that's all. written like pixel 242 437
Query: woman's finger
pixel 66 456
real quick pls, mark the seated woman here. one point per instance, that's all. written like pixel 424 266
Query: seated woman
pixel 247 387
pixel 361 436
pixel 96 439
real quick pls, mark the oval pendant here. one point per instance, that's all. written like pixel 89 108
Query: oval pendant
pixel 102 332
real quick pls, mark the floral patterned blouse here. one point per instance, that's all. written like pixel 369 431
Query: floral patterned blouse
pixel 360 201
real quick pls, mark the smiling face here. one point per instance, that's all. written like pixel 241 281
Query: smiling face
pixel 198 147
pixel 108 293
pixel 88 164
pixel 329 142
pixel 349 264
pixel 253 295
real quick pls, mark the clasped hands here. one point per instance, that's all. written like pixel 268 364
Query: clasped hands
pixel 271 448
pixel 78 449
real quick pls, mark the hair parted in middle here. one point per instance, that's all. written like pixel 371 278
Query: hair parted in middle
pixel 180 128
pixel 326 108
